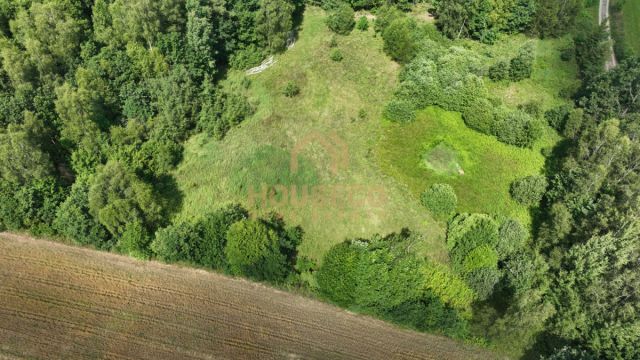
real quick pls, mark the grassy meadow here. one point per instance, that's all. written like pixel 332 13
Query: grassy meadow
pixel 343 98
pixel 340 106
pixel 625 16
pixel 488 166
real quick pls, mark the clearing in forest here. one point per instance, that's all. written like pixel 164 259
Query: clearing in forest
pixel 337 112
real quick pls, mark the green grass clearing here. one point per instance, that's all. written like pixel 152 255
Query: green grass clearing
pixel 333 96
pixel 489 166
pixel 625 17
pixel 552 82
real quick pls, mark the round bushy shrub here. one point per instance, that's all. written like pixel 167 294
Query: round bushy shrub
pixel 481 257
pixel 175 242
pixel 341 19
pixel 362 24
pixel 512 238
pixel 479 116
pixel 253 250
pixel 291 89
pixel 399 40
pixel 521 66
pixel 400 111
pixel 557 117
pixel 529 190
pixel 517 128
pixel 467 232
pixel 135 241
pixel 440 199
pixel 336 55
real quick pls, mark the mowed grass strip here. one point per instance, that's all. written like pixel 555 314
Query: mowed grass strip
pixel 338 100
pixel 64 302
pixel 631 25
pixel 488 166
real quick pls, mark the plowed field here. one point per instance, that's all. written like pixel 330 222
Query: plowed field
pixel 62 302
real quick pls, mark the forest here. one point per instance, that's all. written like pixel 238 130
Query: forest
pixel 508 153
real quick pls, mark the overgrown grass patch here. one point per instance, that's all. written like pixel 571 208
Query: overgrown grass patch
pixel 553 80
pixel 358 200
pixel 489 166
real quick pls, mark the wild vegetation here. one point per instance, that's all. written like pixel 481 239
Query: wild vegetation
pixel 470 171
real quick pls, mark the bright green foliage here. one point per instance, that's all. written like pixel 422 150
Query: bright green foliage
pixel 81 113
pixel 468 231
pixel 450 78
pixel 175 243
pixel 118 197
pixel 31 205
pixel 74 221
pixel 141 21
pixel 400 111
pixel 529 190
pixel 400 41
pixel 472 240
pixel 512 237
pixel 50 35
pixel 440 199
pixel 209 251
pixel 385 15
pixel 450 288
pixel 134 241
pixel 362 24
pixel 381 277
pixel 521 66
pixel 341 19
pixel 336 55
pixel 291 89
pixel 516 127
pixel 338 276
pixel 253 250
pixel 483 19
pixel 481 257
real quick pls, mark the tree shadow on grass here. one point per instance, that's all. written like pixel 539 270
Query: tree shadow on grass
pixel 172 198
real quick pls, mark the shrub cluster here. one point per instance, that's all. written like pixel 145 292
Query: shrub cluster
pixel 341 19
pixel 440 199
pixel 452 79
pixel 529 190
pixel 381 277
pixel 228 241
pixel 477 246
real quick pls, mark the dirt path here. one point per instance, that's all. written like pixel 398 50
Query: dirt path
pixel 58 301
pixel 604 16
